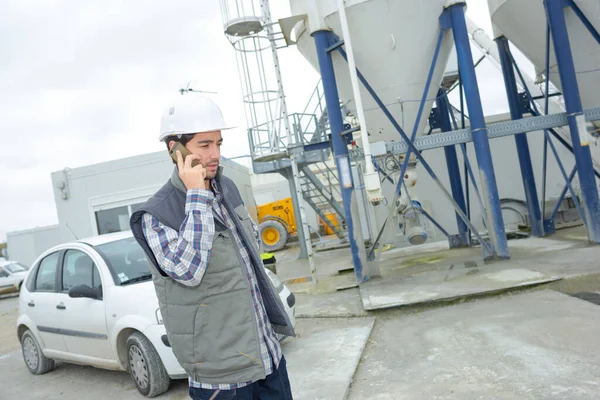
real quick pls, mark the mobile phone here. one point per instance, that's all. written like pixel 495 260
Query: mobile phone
pixel 184 153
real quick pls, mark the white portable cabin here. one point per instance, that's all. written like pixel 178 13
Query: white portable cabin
pixel 98 199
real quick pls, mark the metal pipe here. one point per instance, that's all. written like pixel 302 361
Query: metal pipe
pixel 464 149
pixel 355 88
pixel 372 183
pixel 510 84
pixel 340 149
pixel 579 135
pixel 480 139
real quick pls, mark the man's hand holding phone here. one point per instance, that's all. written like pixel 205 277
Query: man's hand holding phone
pixel 192 177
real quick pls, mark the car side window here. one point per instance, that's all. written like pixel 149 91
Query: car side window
pixel 79 269
pixel 45 280
pixel 3 273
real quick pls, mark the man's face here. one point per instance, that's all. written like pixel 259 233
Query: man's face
pixel 208 146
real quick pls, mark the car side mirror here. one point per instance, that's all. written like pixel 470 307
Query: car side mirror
pixel 85 291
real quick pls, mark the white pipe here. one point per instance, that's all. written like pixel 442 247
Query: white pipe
pixel 355 87
pixel 372 182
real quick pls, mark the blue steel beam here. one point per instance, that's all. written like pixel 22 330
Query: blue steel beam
pixel 495 130
pixel 563 193
pixel 510 84
pixel 547 139
pixel 434 222
pixel 422 105
pixel 340 148
pixel 579 139
pixel 586 22
pixel 491 197
pixel 568 181
pixel 452 164
pixel 488 251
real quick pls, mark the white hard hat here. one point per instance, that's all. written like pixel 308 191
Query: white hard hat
pixel 191 113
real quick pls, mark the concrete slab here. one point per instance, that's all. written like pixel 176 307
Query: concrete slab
pixel 321 364
pixel 454 282
pixel 538 345
pixel 345 303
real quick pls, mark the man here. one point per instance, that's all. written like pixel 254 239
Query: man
pixel 219 308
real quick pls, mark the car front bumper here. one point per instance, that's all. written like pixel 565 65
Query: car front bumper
pixel 155 334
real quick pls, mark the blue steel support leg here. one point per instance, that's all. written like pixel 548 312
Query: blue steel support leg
pixel 340 149
pixel 480 139
pixel 510 83
pixel 452 164
pixel 579 136
pixel 488 251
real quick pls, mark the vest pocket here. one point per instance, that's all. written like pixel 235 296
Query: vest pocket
pixel 224 337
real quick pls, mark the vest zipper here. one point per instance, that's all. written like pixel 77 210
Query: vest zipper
pixel 247 280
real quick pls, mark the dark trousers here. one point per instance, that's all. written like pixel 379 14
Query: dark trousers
pixel 274 387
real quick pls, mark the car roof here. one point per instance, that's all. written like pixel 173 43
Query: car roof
pixel 106 238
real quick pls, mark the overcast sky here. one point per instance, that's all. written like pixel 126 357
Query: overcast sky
pixel 83 82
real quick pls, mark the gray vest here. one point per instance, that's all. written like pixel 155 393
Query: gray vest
pixel 211 327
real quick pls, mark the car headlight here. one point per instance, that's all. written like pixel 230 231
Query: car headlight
pixel 159 318
pixel 276 281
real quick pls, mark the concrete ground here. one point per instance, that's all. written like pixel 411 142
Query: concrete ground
pixel 519 343
pixel 541 345
pixel 9 308
pixel 321 362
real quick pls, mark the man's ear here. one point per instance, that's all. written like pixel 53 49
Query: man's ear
pixel 171 144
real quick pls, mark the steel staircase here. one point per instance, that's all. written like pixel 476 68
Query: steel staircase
pixel 320 189
pixel 319 181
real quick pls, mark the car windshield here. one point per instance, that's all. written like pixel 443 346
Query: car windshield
pixel 15 267
pixel 126 260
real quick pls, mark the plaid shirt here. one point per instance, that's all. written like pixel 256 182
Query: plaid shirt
pixel 184 257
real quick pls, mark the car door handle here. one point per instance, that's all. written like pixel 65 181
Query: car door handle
pixel 61 306
pixel 31 303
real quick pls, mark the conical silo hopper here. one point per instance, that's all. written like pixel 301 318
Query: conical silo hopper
pixel 394 43
pixel 524 24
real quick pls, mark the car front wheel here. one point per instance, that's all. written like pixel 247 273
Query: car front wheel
pixel 37 363
pixel 146 367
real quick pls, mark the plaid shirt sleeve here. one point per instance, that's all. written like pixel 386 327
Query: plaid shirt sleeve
pixel 184 256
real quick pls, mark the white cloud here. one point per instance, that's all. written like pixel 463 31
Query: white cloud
pixel 85 82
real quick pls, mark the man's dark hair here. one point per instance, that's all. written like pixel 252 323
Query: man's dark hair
pixel 184 139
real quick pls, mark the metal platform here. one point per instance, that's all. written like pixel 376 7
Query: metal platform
pixel 244 26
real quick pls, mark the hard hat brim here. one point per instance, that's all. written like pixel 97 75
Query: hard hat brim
pixel 176 133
